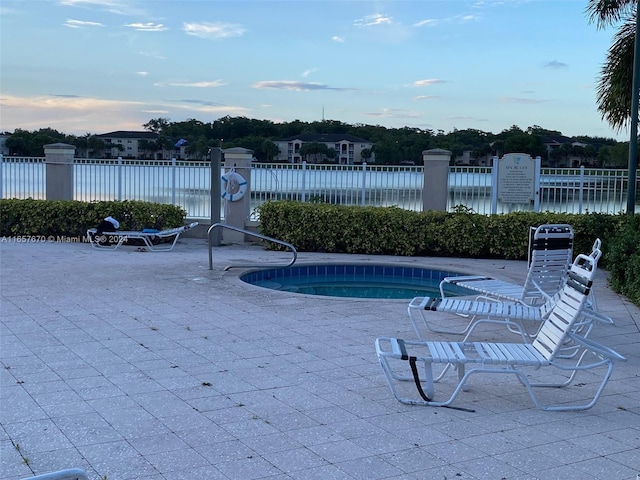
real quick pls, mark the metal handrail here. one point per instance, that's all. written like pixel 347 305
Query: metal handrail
pixel 253 234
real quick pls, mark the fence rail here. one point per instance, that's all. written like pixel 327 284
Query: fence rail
pixel 187 184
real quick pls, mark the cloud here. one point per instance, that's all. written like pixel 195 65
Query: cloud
pixel 153 55
pixel 112 6
pixel 394 113
pixel 147 27
pixel 231 110
pixel 202 84
pixel 425 97
pixel 63 102
pixel 80 23
pixel 555 64
pixel 465 118
pixel 208 30
pixel 308 72
pixel 204 103
pixel 371 20
pixel 428 82
pixel 430 22
pixel 525 101
pixel 142 74
pixel 294 85
pixel 338 39
pixel 71 113
pixel 7 11
pixel 102 3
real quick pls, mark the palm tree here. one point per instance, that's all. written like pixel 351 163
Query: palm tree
pixel 614 89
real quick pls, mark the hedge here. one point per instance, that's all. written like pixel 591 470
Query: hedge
pixel 72 218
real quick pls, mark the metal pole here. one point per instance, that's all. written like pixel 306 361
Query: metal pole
pixel 364 183
pixel 304 179
pixel 494 185
pixel 119 179
pixel 536 185
pixel 633 140
pixel 215 157
pixel 173 181
pixel 581 191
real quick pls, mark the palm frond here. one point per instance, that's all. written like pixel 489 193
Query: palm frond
pixel 614 89
pixel 609 12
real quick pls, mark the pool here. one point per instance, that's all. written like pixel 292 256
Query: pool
pixel 355 281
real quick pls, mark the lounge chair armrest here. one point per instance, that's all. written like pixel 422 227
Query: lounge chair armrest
pixel 597 347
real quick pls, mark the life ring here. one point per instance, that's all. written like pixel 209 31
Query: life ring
pixel 233 186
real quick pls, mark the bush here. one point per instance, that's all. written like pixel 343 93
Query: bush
pixel 393 231
pixel 72 218
pixel 623 259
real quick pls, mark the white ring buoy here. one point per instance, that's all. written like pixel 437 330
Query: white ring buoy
pixel 233 186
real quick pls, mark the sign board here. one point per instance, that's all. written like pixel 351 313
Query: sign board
pixel 516 178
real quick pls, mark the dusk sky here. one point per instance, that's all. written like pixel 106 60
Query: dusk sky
pixel 94 66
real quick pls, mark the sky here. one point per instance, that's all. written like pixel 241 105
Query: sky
pixel 95 66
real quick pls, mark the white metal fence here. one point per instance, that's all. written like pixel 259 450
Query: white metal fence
pixel 187 184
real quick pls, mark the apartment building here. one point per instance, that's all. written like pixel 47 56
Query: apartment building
pixel 127 144
pixel 348 148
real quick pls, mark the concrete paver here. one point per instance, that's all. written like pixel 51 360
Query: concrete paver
pixel 139 365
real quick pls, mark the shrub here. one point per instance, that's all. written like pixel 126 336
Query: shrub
pixel 623 259
pixel 393 231
pixel 72 218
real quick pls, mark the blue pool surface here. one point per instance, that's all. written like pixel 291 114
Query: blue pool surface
pixel 355 281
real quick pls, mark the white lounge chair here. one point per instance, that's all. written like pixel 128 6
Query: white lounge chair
pixel 400 358
pixel 68 474
pixel 550 254
pixel 112 240
pixel 515 315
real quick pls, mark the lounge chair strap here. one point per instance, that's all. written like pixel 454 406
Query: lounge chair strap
pixel 416 378
pixel 431 303
pixel 414 369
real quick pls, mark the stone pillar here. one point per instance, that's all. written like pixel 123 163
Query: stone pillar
pixel 436 179
pixel 237 212
pixel 59 170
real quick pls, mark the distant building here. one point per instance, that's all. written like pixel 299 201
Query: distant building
pixel 348 148
pixel 4 150
pixel 554 142
pixel 127 144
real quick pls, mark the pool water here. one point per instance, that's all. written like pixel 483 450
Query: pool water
pixel 355 281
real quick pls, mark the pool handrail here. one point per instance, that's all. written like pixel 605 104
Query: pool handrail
pixel 253 234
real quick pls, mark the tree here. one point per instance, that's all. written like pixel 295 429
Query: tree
pixel 614 156
pixel 146 146
pixel 523 143
pixel 270 149
pixel 17 145
pixel 614 90
pixel 95 144
pixel 156 125
pixel 315 149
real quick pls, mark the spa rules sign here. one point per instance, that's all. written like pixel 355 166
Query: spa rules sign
pixel 516 178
